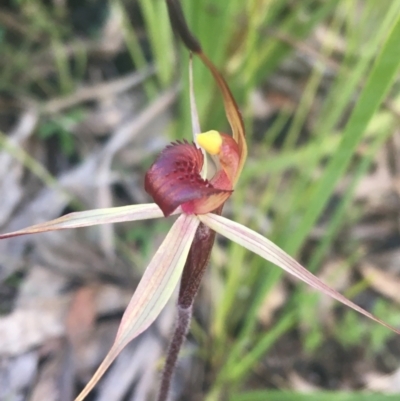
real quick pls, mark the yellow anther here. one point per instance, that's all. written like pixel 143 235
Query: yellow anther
pixel 210 141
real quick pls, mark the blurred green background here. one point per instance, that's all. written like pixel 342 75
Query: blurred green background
pixel 317 83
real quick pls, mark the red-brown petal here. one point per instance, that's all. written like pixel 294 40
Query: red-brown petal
pixel 232 113
pixel 229 156
pixel 174 180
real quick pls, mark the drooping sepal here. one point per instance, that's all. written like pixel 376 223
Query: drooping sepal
pixel 232 111
pixel 174 180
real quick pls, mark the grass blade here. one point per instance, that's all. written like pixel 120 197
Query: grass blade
pixel 378 84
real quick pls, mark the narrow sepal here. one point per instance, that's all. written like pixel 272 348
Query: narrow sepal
pixel 179 25
pixel 268 250
pixel 154 290
pixel 232 112
pixel 91 218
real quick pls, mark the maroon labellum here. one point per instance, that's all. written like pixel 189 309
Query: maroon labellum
pixel 174 180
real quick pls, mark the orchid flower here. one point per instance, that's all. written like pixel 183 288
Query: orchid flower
pixel 178 184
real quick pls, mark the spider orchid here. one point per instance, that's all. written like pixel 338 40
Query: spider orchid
pixel 178 184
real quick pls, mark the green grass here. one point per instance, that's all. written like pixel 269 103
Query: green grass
pixel 249 41
pixel 318 396
pixel 293 191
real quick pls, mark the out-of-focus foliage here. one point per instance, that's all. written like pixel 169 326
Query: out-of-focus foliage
pixel 317 84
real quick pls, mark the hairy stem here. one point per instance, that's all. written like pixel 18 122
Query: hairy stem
pixel 181 329
pixel 196 265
